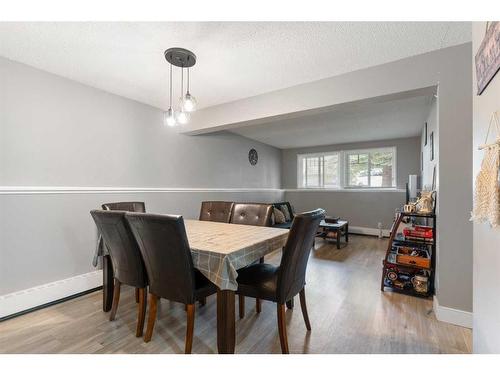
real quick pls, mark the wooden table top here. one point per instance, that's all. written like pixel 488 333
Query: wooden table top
pixel 219 250
pixel 222 238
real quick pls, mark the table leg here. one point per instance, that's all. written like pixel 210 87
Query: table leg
pixel 347 233
pixel 338 234
pixel 107 283
pixel 226 333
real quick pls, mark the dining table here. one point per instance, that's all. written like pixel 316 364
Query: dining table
pixel 218 251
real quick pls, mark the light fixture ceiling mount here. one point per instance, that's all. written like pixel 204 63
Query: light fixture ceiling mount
pixel 180 57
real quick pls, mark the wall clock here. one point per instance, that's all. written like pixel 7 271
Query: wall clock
pixel 253 157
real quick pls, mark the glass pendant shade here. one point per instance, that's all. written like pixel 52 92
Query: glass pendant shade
pixel 188 103
pixel 183 117
pixel 169 118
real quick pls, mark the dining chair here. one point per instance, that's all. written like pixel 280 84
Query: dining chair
pixel 126 259
pixel 126 206
pixel 257 214
pixel 165 249
pixel 216 211
pixel 281 283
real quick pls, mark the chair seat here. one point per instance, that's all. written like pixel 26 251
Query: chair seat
pixel 203 286
pixel 258 281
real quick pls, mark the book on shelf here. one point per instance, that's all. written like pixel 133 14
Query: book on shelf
pixel 418 240
pixel 419 231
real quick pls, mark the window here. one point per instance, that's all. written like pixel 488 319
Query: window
pixel 371 168
pixel 319 170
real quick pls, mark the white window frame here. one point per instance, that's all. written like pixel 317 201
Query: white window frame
pixel 301 157
pixel 368 151
pixel 343 170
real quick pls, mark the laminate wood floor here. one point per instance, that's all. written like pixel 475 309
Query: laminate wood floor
pixel 348 314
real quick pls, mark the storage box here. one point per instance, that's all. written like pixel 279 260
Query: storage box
pixel 418 232
pixel 420 259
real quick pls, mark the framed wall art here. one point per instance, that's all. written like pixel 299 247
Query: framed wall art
pixel 431 140
pixel 425 134
pixel 488 56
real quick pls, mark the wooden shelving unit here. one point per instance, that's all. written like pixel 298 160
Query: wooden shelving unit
pixel 398 274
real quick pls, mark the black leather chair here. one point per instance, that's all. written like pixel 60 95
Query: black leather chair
pixel 280 284
pixel 128 267
pixel 216 211
pixel 165 249
pixel 125 206
pixel 257 214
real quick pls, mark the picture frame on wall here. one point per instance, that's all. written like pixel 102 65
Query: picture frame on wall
pixel 422 162
pixel 432 145
pixel 488 56
pixel 425 134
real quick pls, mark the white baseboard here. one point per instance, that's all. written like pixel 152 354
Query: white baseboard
pixel 39 295
pixel 453 316
pixel 368 231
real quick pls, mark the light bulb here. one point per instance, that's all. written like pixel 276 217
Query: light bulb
pixel 189 103
pixel 183 117
pixel 169 118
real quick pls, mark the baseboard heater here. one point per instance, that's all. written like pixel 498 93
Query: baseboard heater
pixel 37 297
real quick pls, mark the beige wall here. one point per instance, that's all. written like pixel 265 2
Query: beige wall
pixel 486 320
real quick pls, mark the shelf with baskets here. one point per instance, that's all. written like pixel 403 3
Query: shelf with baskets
pixel 409 263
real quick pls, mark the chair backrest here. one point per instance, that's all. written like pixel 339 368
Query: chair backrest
pixel 252 214
pixel 128 266
pixel 165 249
pixel 125 206
pixel 216 211
pixel 292 273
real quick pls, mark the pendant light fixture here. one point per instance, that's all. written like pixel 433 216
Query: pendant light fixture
pixel 170 115
pixel 188 102
pixel 182 117
pixel 181 58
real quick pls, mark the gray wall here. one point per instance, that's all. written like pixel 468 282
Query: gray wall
pixel 49 237
pixel 454 241
pixel 55 132
pixel 486 324
pixel 450 70
pixel 362 209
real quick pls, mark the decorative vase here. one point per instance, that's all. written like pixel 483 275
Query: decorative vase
pixel 425 204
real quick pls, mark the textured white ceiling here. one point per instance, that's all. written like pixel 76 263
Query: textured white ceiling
pixel 352 123
pixel 235 60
